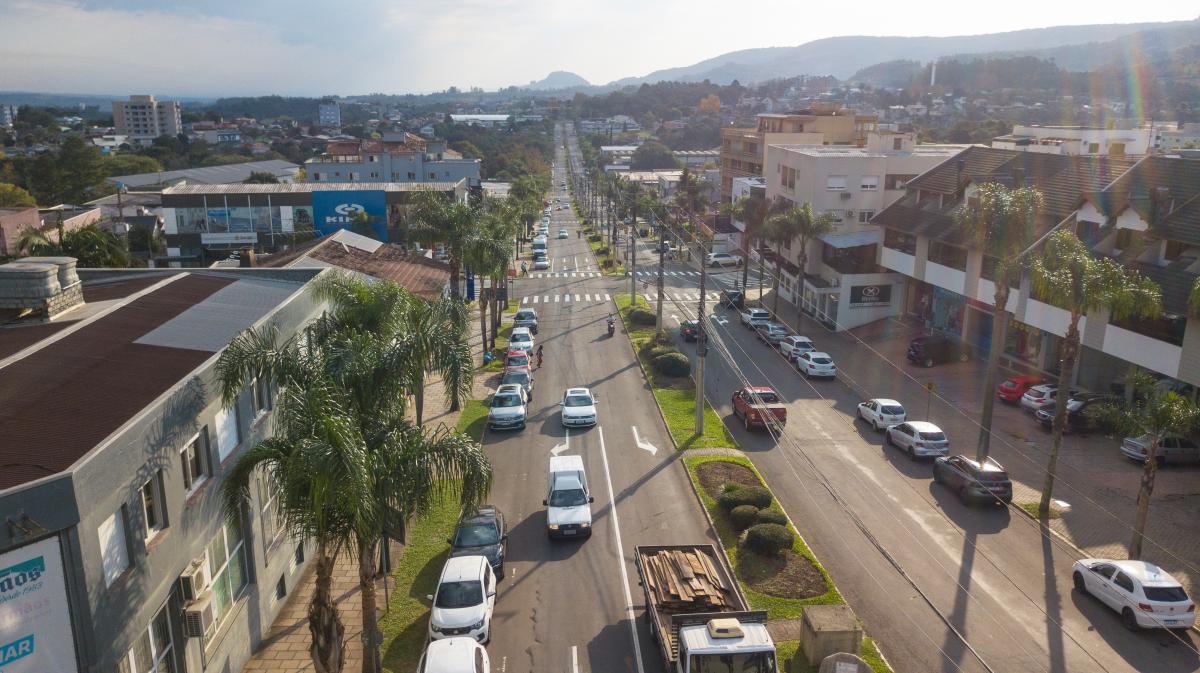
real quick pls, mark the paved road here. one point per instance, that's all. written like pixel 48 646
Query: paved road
pixel 942 586
pixel 565 606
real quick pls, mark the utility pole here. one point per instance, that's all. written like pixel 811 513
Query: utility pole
pixel 632 269
pixel 701 345
pixel 662 242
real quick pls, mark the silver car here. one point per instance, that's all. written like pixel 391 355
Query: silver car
pixel 920 439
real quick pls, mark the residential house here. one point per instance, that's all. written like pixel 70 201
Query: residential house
pixel 1076 140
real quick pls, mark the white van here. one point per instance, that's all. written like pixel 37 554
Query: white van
pixel 568 501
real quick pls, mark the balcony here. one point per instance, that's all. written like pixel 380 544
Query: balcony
pixel 898 261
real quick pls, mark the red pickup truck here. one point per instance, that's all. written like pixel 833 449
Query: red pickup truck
pixel 755 404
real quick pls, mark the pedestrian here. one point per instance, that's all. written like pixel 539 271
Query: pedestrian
pixel 539 357
pixel 524 268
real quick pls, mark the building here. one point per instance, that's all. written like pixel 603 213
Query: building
pixel 610 125
pixel 128 204
pixel 617 154
pixel 12 222
pixel 142 119
pixel 1110 202
pixel 496 189
pixel 698 158
pixel 205 223
pixel 225 174
pixel 743 150
pixel 1076 140
pixel 116 444
pixel 220 135
pixel 109 143
pixel 7 116
pixel 397 158
pixel 1177 137
pixel 843 285
pixel 329 114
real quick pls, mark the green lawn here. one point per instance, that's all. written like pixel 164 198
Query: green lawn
pixel 617 269
pixel 497 364
pixel 473 419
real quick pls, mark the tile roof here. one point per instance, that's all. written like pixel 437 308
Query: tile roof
pixel 419 275
pixel 1174 279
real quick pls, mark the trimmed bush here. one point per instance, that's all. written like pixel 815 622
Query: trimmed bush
pixel 673 364
pixel 743 516
pixel 602 250
pixel 594 238
pixel 641 316
pixel 730 487
pixel 769 539
pixel 771 516
pixel 750 495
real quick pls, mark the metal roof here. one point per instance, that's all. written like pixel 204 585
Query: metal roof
pixel 309 187
pixel 212 175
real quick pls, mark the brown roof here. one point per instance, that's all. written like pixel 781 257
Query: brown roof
pixel 419 275
pixel 62 400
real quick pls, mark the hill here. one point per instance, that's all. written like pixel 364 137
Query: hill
pixel 559 79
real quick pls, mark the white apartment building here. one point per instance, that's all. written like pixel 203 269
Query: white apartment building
pixel 1177 136
pixel 843 285
pixel 329 114
pixel 1076 140
pixel 142 119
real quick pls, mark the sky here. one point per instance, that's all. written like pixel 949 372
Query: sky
pixel 346 47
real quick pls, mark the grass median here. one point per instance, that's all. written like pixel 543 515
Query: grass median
pixel 676 396
pixel 604 259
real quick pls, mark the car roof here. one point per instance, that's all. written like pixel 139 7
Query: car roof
pixel 819 354
pixel 758 310
pixel 760 389
pixel 1146 573
pixel 450 655
pixel 515 352
pixel 520 330
pixel 989 466
pixel 885 401
pixel 923 426
pixel 1044 387
pixel 578 391
pixel 798 337
pixel 463 568
pixel 515 372
pixel 508 389
pixel 482 514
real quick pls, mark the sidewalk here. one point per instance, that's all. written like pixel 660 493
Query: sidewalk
pixel 1096 488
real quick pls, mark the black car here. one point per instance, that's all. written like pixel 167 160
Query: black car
pixel 936 350
pixel 482 533
pixel 973 482
pixel 527 317
pixel 1081 416
pixel 690 330
pixel 733 298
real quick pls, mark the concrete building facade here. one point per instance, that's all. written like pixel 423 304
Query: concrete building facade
pixel 143 118
pixel 396 158
pixel 12 222
pixel 1076 140
pixel 329 114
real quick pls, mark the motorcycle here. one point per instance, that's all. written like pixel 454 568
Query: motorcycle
pixel 612 327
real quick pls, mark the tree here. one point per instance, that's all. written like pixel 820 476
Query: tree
pixel 92 246
pixel 489 255
pixel 651 155
pixel 46 179
pixel 752 210
pixel 1001 222
pixel 799 222
pixel 1067 275
pixel 710 104
pixel 1156 414
pixel 261 178
pixel 130 164
pixel 12 196
pixel 82 170
pixel 439 219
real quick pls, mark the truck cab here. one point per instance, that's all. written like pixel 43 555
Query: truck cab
pixel 724 645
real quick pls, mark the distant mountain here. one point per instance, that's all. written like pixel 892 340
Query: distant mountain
pixel 889 74
pixel 63 100
pixel 844 56
pixel 559 79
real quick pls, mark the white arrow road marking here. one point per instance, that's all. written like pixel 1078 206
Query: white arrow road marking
pixel 643 444
pixel 565 445
pixel 720 320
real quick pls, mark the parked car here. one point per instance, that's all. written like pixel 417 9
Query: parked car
pixel 881 412
pixel 482 532
pixel 527 317
pixel 793 346
pixel 936 349
pixel 754 405
pixel 519 377
pixel 1145 596
pixel 1038 397
pixel 1012 388
pixel 733 298
pixel 522 338
pixel 689 330
pixel 1081 415
pixel 464 599
pixel 972 481
pixel 562 233
pixel 516 360
pixel 541 262
pixel 816 363
pixel 722 259
pixel 771 333
pixel 753 317
pixel 1171 449
pixel 578 407
pixel 507 410
pixel 454 655
pixel 919 438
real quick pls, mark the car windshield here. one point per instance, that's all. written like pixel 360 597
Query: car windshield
pixel 519 378
pixel 476 535
pixel 1165 594
pixel 525 315
pixel 522 338
pixel 577 401
pixel 459 594
pixel 1009 383
pixel 504 401
pixel 933 436
pixel 571 497
pixel 518 360
pixel 822 361
pixel 891 410
pixel 766 397
pixel 751 662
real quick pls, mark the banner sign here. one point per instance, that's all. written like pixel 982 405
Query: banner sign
pixel 334 210
pixel 35 619
pixel 864 296
pixel 225 239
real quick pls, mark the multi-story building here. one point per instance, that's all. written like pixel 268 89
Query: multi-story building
pixel 7 116
pixel 1076 140
pixel 142 119
pixel 329 114
pixel 697 158
pixel 397 158
pixel 1177 137
pixel 12 222
pixel 117 555
pixel 1140 211
pixel 743 150
pixel 843 285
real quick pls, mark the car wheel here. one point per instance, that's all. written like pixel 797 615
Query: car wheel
pixel 887 439
pixel 937 475
pixel 500 572
pixel 1130 620
pixel 1080 584
pixel 1160 460
pixel 928 362
pixel 874 426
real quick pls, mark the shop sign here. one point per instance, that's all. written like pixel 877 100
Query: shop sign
pixel 249 237
pixel 35 620
pixel 865 296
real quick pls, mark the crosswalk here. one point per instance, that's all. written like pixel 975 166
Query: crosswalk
pixel 573 274
pixel 568 298
pixel 654 274
pixel 669 295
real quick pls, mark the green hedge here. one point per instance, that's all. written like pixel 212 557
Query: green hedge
pixel 743 517
pixel 769 539
pixel 757 496
pixel 672 364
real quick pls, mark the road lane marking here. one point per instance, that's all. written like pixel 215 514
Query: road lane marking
pixel 545 299
pixel 587 297
pixel 606 297
pixel 576 297
pixel 574 659
pixel 532 301
pixel 678 297
pixel 555 299
pixel 565 445
pixel 647 296
pixel 643 444
pixel 612 504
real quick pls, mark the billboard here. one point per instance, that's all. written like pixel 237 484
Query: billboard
pixel 334 210
pixel 866 296
pixel 35 619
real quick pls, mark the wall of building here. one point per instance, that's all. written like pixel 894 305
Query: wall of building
pixel 12 223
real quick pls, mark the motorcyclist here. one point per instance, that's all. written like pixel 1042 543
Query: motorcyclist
pixel 612 324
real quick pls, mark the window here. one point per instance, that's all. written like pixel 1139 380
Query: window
pixel 228 431
pixel 152 507
pixel 1093 148
pixel 193 459
pixel 316 177
pixel 787 177
pixel 412 176
pixel 272 514
pixel 897 144
pixel 280 588
pixel 945 254
pixel 114 551
pixel 835 183
pixel 1173 250
pixel 896 181
pixel 869 183
pixel 864 216
pixel 153 652
pixel 898 240
pixel 260 397
pixel 1122 580
pixel 226 555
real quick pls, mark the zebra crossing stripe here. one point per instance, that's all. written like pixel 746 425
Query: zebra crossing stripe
pixel 525 300
pixel 546 299
pixel 555 299
pixel 693 296
pixel 574 275
pixel 587 297
pixel 606 297
pixel 677 297
pixel 576 297
pixel 566 297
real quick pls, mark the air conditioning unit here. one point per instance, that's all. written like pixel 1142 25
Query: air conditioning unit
pixel 849 215
pixel 198 616
pixel 846 196
pixel 194 580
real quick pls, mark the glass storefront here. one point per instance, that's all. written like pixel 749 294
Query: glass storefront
pixel 237 219
pixel 947 314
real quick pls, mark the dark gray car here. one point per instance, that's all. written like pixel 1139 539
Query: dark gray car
pixel 482 533
pixel 526 317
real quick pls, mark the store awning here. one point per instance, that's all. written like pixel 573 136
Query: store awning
pixel 855 239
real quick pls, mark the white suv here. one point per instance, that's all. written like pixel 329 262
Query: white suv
pixel 465 599
pixel 722 259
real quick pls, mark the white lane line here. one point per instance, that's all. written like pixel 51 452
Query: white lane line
pixel 692 296
pixel 574 659
pixel 606 297
pixel 678 297
pixel 647 296
pixel 546 299
pixel 555 299
pixel 616 526
pixel 587 297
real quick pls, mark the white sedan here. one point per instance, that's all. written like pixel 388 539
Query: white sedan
pixel 881 412
pixel 793 346
pixel 918 439
pixel 578 407
pixel 1143 594
pixel 816 363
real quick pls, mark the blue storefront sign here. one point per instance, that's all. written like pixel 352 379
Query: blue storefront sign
pixel 334 210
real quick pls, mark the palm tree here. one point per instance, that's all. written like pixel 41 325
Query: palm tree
pixel 752 210
pixel 1157 414
pixel 92 246
pixel 1001 222
pixel 489 256
pixel 799 222
pixel 778 231
pixel 452 222
pixel 1066 274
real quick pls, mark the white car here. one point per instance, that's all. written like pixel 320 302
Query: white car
pixel 919 439
pixel 722 259
pixel 881 412
pixel 816 363
pixel 562 233
pixel 454 655
pixel 465 599
pixel 578 407
pixel 1039 397
pixel 1143 594
pixel 541 263
pixel 522 338
pixel 753 317
pixel 793 346
pixel 508 408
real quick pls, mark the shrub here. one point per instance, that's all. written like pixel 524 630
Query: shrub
pixel 749 495
pixel 602 250
pixel 594 238
pixel 641 316
pixel 769 539
pixel 771 516
pixel 673 364
pixel 743 516
pixel 730 487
